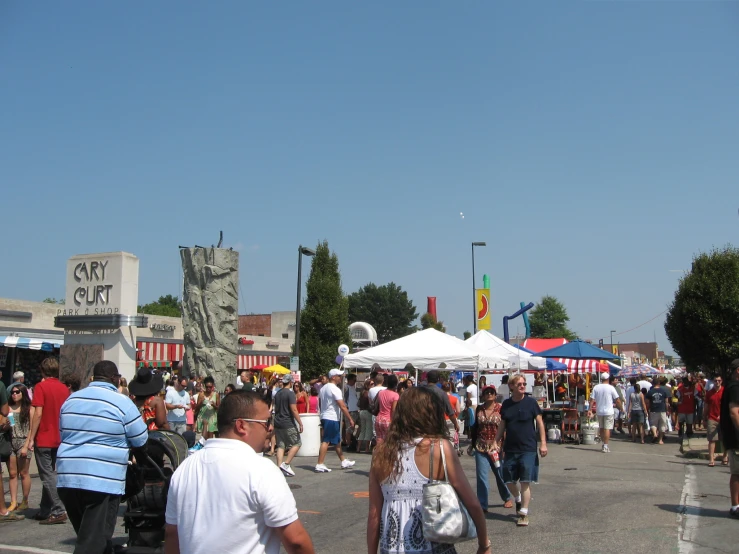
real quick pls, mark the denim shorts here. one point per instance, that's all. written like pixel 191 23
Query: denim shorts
pixel 331 431
pixel 521 467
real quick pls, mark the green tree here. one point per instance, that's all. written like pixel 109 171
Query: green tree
pixel 324 319
pixel 53 300
pixel 166 305
pixel 467 335
pixel 429 321
pixel 702 321
pixel 549 319
pixel 387 308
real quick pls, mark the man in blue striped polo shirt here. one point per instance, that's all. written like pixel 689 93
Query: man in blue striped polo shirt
pixel 98 427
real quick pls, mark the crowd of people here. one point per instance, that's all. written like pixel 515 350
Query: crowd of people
pixel 82 441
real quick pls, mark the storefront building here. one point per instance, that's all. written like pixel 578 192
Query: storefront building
pixel 28 336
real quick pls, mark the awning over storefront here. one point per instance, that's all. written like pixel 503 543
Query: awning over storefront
pixel 31 343
pixel 248 361
pixel 160 352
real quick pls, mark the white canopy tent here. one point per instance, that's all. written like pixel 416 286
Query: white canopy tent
pixel 485 342
pixel 427 349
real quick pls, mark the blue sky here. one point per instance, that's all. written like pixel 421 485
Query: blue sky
pixel 592 145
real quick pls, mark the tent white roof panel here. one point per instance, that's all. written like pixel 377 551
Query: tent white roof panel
pixel 486 342
pixel 425 350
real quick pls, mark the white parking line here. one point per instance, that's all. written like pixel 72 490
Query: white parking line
pixel 687 518
pixel 30 549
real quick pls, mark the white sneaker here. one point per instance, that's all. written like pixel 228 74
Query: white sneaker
pixel 287 470
pixel 605 448
pixel 346 464
pixel 321 468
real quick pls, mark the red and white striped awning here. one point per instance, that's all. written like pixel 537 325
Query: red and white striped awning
pixel 160 351
pixel 584 366
pixel 248 361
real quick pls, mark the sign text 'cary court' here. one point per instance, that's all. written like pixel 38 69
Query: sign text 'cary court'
pixel 93 294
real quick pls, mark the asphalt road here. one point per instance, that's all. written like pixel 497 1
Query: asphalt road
pixel 638 498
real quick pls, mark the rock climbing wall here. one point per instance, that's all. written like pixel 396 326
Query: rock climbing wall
pixel 210 313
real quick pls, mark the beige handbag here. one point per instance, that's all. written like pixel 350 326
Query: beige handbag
pixel 445 519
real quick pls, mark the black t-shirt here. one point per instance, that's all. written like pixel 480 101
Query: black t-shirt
pixel 658 398
pixel 283 415
pixel 729 432
pixel 519 420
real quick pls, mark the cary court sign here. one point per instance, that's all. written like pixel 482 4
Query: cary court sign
pixel 93 286
pixel 93 293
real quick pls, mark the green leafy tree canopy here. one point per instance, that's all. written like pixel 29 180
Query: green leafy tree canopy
pixel 549 319
pixel 702 321
pixel 324 319
pixel 387 308
pixel 53 300
pixel 428 321
pixel 166 305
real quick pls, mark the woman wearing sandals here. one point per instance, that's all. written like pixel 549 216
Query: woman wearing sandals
pixel 637 410
pixel 400 468
pixel 19 462
pixel 487 420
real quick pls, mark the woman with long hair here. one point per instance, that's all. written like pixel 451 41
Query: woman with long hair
pixel 19 463
pixel 123 386
pixel 313 401
pixel 364 439
pixel 487 420
pixel 637 411
pixel 206 417
pixel 400 467
pixel 385 406
pixel 301 398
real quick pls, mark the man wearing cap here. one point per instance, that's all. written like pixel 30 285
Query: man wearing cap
pixel 729 422
pixel 287 435
pixel 98 427
pixel 602 398
pixel 331 402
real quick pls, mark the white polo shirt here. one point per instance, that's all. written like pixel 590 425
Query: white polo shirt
pixel 226 498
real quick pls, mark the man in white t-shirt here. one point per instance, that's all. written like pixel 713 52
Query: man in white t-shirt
pixel 177 402
pixel 228 476
pixel 471 390
pixel 602 400
pixel 331 406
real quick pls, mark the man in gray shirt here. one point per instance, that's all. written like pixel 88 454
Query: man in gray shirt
pixel 432 377
pixel 287 435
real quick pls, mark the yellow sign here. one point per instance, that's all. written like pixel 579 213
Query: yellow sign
pixel 483 308
pixel 615 349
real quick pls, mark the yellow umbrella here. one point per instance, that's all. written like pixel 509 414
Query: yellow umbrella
pixel 277 368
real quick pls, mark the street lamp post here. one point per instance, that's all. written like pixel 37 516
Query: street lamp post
pixel 302 251
pixel 612 331
pixel 474 294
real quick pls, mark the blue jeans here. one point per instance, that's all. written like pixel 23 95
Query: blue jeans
pixel 483 465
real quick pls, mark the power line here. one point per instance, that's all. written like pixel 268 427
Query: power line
pixel 637 327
